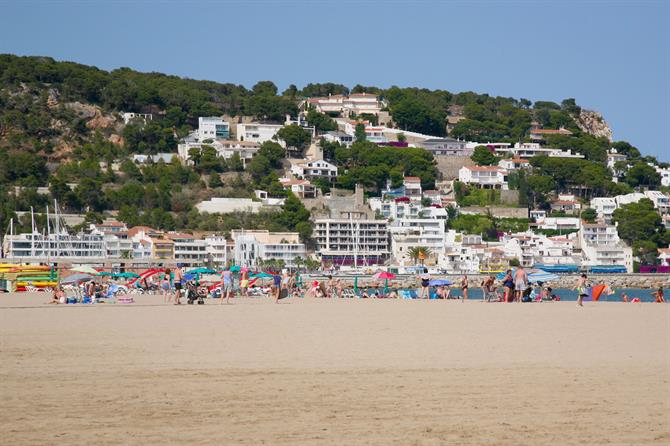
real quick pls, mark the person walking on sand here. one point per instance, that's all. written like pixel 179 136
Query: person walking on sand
pixel 226 285
pixel 178 277
pixel 520 282
pixel 582 289
pixel 244 282
pixel 464 287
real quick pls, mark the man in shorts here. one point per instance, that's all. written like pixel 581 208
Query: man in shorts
pixel 226 285
pixel 520 282
pixel 178 277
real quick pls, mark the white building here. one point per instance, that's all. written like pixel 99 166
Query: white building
pixel 529 150
pixel 486 177
pixel 514 163
pixel 339 137
pixel 660 200
pixel 353 104
pixel 341 240
pixel 665 175
pixel 604 207
pixel 257 131
pixel 412 186
pixel 300 188
pixel 614 157
pixel 446 147
pixel 411 233
pixel 212 127
pixel 187 247
pixel 252 247
pixel 566 203
pixel 372 133
pixel 601 246
pixel 130 116
pixel 395 209
pixel 218 249
pixel 558 223
pixel 311 170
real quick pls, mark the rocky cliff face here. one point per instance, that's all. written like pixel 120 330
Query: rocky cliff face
pixel 592 122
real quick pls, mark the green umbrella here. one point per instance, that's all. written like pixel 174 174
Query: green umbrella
pixel 201 271
pixel 126 275
pixel 235 268
pixel 104 274
pixel 386 287
pixel 356 285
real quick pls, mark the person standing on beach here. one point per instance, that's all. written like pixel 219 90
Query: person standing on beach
pixel 425 285
pixel 244 282
pixel 464 287
pixel 508 285
pixel 226 285
pixel 178 277
pixel 582 289
pixel 166 285
pixel 520 282
pixel 659 295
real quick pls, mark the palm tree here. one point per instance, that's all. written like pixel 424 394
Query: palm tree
pixel 298 261
pixel 419 253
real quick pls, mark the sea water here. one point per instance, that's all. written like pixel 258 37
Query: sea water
pixel 570 295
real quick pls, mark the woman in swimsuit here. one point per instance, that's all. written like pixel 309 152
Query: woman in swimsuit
pixel 425 283
pixel 464 287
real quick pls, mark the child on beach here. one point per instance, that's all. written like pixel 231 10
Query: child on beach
pixel 659 296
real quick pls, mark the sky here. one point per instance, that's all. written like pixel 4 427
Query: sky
pixel 611 56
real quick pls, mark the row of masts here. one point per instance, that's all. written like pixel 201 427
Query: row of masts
pixel 43 244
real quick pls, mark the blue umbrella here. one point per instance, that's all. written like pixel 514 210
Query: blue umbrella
pixel 542 277
pixel 440 282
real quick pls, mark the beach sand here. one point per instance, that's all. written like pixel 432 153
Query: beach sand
pixel 334 372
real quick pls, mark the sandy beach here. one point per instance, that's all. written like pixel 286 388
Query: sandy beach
pixel 334 372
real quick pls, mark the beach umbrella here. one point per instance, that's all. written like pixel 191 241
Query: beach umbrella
pixel 85 270
pixel 383 275
pixel 235 268
pixel 126 275
pixel 261 276
pixel 440 282
pixel 76 278
pixel 105 274
pixel 201 271
pixel 356 285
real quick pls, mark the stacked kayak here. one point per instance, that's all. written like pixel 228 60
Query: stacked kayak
pixel 22 276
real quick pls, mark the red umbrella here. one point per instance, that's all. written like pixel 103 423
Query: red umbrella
pixel 383 275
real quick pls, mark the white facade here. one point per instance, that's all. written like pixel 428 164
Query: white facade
pixel 187 247
pixel 356 103
pixel 219 205
pixel 212 127
pixel 410 233
pixel 604 207
pixel 339 137
pixel 372 133
pixel 529 150
pixel 488 177
pixel 257 132
pixel 252 247
pixel 665 175
pixel 395 209
pixel 315 169
pixel 217 249
pixel 129 116
pixel 601 246
pixel 224 149
pixel 340 240
pixel 660 200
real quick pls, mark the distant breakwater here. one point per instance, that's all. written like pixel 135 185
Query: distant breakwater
pixel 616 281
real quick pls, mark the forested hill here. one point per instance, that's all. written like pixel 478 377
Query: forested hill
pixel 60 127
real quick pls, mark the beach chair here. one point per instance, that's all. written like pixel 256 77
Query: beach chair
pixel 348 292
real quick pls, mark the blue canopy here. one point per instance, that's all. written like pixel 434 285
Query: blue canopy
pixel 440 282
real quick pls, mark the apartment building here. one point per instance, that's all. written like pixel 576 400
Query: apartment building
pixel 485 177
pixel 218 249
pixel 258 132
pixel 253 247
pixel 315 169
pixel 446 147
pixel 601 246
pixel 408 233
pixel 341 240
pixel 187 247
pixel 212 128
pixel 353 104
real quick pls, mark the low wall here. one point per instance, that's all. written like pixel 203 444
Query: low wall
pixel 615 281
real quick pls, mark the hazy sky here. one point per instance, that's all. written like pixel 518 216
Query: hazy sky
pixel 612 56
